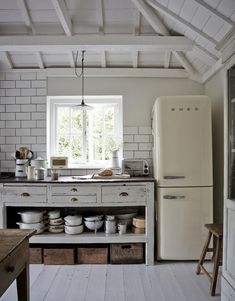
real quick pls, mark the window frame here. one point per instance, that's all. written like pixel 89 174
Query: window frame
pixel 54 101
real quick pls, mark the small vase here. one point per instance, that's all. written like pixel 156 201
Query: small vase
pixel 115 159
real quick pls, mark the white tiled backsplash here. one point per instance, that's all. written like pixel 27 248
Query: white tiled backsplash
pixel 23 121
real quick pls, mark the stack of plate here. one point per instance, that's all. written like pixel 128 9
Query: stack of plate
pixel 56 222
pixel 138 225
pixel 126 216
pixel 73 224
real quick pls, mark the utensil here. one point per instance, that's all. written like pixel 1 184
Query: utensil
pixel 56 221
pixel 74 229
pixel 93 218
pixel 110 226
pixel 30 172
pixel 73 220
pixel 30 217
pixel 36 226
pixel 56 229
pixel 39 173
pixel 93 225
pixel 122 228
pixel 54 214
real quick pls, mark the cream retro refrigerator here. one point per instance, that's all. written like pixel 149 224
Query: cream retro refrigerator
pixel 182 159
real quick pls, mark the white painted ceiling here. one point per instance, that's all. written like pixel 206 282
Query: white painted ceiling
pixel 128 35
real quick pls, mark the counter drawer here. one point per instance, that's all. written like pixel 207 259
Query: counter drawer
pixel 73 199
pixel 118 194
pixel 25 194
pixel 73 190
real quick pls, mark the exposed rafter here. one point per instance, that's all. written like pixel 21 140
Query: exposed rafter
pixel 135 57
pixel 167 59
pixel 63 16
pixel 6 58
pixel 40 60
pixel 137 20
pixel 100 15
pixel 184 62
pixel 64 44
pixel 151 17
pixel 156 5
pixel 25 15
pixel 214 11
pixel 205 56
pixel 103 59
pixel 71 59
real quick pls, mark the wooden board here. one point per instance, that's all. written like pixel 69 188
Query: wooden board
pixel 92 255
pixel 126 253
pixel 58 256
pixel 35 255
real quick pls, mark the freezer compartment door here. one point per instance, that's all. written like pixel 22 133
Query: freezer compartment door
pixel 183 141
pixel 182 214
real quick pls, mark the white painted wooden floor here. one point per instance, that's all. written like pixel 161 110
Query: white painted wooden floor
pixel 162 282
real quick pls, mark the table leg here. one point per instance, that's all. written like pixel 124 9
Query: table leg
pixel 22 282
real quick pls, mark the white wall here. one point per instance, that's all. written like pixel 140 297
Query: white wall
pixel 138 93
pixel 215 89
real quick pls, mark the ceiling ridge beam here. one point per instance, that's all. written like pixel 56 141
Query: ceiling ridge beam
pixel 184 62
pixel 214 12
pixel 40 60
pixel 156 5
pixel 63 16
pixel 98 42
pixel 25 15
pixel 151 17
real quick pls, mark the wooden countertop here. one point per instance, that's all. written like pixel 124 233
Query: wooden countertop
pixel 10 239
pixel 75 179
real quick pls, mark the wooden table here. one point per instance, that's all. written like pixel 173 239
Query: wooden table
pixel 14 261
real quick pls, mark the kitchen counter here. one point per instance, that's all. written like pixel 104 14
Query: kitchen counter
pixel 75 179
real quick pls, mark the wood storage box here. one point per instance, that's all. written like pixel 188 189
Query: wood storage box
pixel 35 255
pixel 58 256
pixel 127 253
pixel 92 255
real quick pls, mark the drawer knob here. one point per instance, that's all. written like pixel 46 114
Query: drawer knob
pixel 123 194
pixel 74 190
pixel 25 194
pixel 74 199
pixel 10 269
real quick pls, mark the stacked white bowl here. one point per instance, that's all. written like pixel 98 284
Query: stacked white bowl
pixel 56 222
pixel 32 220
pixel 94 222
pixel 73 224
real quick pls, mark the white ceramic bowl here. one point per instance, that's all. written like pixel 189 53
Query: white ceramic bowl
pixel 36 226
pixel 31 217
pixel 94 225
pixel 93 218
pixel 73 220
pixel 56 221
pixel 74 229
pixel 54 214
pixel 126 215
pixel 56 229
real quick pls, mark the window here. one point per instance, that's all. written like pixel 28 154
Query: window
pixel 86 137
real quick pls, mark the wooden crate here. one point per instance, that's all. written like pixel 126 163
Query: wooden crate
pixel 35 255
pixel 127 253
pixel 58 256
pixel 92 255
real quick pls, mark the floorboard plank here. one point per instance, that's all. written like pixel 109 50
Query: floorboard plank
pixel 97 283
pixel 132 283
pixel 114 283
pixel 79 283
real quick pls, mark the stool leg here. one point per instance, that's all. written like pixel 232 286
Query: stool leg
pixel 204 250
pixel 216 266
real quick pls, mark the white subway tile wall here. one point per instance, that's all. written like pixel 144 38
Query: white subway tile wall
pixel 23 122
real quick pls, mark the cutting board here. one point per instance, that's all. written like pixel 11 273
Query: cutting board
pixel 121 176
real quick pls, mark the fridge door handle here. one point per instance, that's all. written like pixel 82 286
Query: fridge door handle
pixel 173 197
pixel 173 177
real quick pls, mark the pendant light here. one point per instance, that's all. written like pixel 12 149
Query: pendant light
pixel 82 105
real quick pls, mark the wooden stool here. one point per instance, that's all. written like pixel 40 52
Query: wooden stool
pixel 217 231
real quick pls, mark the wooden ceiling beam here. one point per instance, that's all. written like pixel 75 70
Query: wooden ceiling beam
pixel 63 16
pixel 156 5
pixel 25 15
pixel 184 62
pixel 62 44
pixel 151 17
pixel 40 60
pixel 101 16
